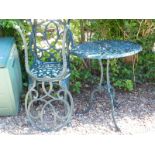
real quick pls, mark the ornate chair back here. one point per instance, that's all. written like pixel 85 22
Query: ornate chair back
pixel 50 43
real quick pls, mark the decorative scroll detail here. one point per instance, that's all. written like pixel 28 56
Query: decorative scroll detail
pixel 48 107
pixel 46 39
pixel 103 88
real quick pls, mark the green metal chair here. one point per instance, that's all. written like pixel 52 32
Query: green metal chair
pixel 48 102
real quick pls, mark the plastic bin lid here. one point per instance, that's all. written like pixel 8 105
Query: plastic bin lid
pixel 5 48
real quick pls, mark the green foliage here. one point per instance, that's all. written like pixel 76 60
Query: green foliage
pixel 146 67
pixel 77 87
pixel 79 74
pixel 125 84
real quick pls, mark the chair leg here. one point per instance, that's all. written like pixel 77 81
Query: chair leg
pixel 111 98
pixel 48 110
pixel 65 85
pixel 30 84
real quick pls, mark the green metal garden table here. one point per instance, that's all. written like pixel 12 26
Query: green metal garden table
pixel 106 49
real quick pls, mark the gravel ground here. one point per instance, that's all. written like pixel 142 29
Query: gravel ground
pixel 135 115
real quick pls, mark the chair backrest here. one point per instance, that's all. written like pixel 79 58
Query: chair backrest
pixel 38 48
pixel 46 40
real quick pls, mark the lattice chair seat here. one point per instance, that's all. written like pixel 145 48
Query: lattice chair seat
pixel 48 70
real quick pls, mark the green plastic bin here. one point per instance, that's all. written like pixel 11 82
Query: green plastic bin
pixel 10 77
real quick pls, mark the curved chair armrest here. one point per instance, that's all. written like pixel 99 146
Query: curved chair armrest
pixel 61 75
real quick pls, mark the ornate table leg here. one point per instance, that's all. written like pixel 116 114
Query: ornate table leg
pixel 102 87
pixel 99 88
pixel 111 96
pixel 106 87
pixel 48 108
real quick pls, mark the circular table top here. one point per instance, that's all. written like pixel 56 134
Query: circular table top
pixel 106 49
